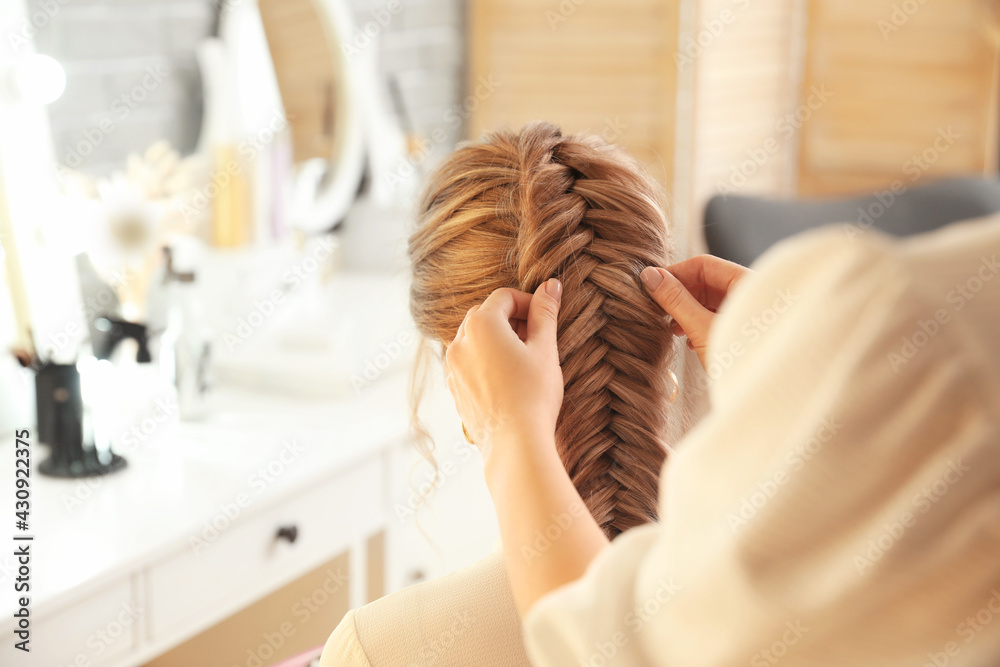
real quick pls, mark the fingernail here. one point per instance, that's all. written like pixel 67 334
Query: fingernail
pixel 651 278
pixel 553 288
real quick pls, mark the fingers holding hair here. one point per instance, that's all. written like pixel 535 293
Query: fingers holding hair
pixel 691 292
pixel 708 278
pixel 674 298
pixel 509 303
pixel 530 316
pixel 543 313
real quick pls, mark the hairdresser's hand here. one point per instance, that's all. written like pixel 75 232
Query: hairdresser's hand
pixel 691 292
pixel 503 367
pixel 504 374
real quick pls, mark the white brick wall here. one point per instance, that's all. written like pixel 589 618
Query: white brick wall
pixel 106 47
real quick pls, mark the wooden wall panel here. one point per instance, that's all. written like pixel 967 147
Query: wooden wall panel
pixel 603 66
pixel 903 75
pixel 746 81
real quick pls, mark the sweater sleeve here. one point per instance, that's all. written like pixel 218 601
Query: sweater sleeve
pixel 464 618
pixel 343 648
pixel 839 504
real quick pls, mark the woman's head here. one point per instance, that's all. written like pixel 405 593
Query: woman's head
pixel 518 208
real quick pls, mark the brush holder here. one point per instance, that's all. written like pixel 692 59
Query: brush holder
pixel 60 412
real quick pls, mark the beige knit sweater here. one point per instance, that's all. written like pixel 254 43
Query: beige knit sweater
pixel 840 505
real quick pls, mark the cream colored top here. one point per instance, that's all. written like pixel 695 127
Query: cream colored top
pixel 462 619
pixel 840 504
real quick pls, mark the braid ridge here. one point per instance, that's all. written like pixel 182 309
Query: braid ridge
pixel 574 225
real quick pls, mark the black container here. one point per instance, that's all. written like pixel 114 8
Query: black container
pixel 60 425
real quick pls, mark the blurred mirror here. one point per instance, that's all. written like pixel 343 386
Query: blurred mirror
pixel 321 100
pixel 171 95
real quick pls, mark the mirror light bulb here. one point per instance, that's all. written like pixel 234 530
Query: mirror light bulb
pixel 40 78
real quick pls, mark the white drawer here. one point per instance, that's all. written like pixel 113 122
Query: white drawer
pixel 93 632
pixel 247 560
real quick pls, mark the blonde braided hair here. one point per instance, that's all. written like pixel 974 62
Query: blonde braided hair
pixel 518 208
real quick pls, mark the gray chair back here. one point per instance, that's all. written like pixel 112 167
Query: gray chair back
pixel 741 228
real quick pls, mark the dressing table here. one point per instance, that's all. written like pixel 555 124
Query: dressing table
pixel 208 518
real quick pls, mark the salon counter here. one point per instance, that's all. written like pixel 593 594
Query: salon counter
pixel 207 518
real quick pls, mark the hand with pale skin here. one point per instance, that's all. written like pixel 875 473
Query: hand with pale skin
pixel 504 374
pixel 691 292
pixel 521 331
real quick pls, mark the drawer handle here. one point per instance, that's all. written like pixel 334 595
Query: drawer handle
pixel 290 533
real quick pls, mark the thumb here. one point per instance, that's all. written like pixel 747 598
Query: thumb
pixel 543 313
pixel 677 301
